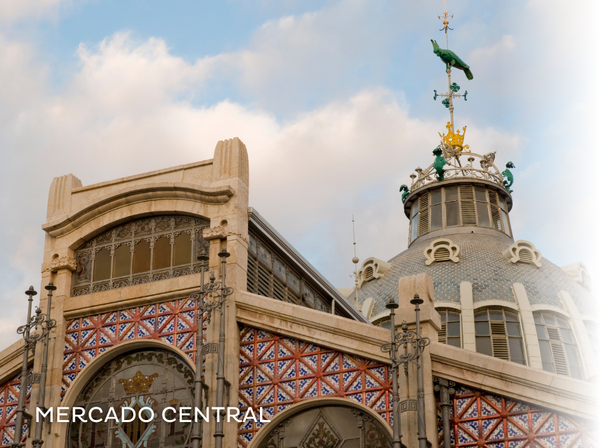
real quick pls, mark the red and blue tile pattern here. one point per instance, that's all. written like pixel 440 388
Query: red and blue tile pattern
pixel 9 399
pixel 277 371
pixel 480 419
pixel 172 322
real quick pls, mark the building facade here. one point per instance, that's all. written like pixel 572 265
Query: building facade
pixel 512 336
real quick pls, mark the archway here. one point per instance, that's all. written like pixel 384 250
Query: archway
pixel 150 378
pixel 325 423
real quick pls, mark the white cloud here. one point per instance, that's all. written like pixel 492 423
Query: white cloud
pixel 13 10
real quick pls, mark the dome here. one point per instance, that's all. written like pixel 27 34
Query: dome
pixel 481 263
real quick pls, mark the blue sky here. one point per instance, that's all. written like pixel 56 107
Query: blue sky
pixel 333 100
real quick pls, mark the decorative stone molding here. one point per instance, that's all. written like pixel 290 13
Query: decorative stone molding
pixel 579 273
pixel 214 233
pixel 442 249
pixel 65 262
pixel 371 269
pixel 524 252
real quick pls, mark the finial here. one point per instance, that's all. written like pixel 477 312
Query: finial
pixel 31 292
pixel 50 286
pixel 416 300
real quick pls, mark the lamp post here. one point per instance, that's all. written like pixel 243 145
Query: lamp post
pixel 392 349
pixel 225 291
pixel 204 311
pixel 46 324
pixel 30 340
pixel 410 354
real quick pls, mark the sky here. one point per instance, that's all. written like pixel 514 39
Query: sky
pixel 333 99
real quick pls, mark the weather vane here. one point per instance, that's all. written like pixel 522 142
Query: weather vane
pixel 452 61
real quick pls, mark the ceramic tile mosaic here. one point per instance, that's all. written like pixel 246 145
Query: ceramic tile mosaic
pixel 9 399
pixel 278 371
pixel 479 419
pixel 172 322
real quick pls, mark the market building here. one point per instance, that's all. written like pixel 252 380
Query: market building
pixel 509 340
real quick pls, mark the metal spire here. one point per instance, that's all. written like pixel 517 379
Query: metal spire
pixel 453 88
pixel 355 260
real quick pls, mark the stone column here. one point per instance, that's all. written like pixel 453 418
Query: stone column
pixel 530 338
pixel 467 316
pixel 421 284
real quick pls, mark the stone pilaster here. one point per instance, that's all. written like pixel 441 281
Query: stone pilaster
pixel 467 316
pixel 530 338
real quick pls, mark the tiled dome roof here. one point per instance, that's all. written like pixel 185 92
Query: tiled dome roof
pixel 482 264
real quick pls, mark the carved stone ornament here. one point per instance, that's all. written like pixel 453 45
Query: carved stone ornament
pixel 371 269
pixel 63 263
pixel 213 233
pixel 524 252
pixel 442 249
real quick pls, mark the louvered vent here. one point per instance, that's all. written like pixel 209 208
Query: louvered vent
pixel 499 342
pixel 560 357
pixel 264 283
pixel 251 282
pixel 525 256
pixel 278 290
pixel 467 206
pixel 442 254
pixel 423 214
pixel 368 274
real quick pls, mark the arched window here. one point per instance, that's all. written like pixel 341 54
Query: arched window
pixel 557 344
pixel 450 332
pixel 498 334
pixel 139 252
pixel 146 381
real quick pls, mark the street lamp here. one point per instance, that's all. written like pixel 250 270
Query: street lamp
pixel 410 354
pixel 43 322
pixel 204 312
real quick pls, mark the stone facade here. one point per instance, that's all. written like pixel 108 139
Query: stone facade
pixel 288 359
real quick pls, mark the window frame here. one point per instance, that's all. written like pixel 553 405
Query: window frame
pixel 130 234
pixel 496 348
pixel 558 347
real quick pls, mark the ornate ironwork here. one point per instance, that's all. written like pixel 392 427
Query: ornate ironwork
pixel 404 348
pixel 46 324
pixel 458 168
pixel 205 310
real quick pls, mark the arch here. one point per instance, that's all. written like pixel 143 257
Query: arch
pixel 101 360
pixel 263 434
pixel 135 196
pixel 496 303
pixel 551 309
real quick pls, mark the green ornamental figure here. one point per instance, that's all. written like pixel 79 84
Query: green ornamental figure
pixel 404 188
pixel 509 176
pixel 438 164
pixel 451 60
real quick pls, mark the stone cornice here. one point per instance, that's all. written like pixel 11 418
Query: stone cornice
pixel 513 380
pixel 135 194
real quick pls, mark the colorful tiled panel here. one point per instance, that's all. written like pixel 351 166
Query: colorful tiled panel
pixel 173 322
pixel 9 399
pixel 481 419
pixel 277 371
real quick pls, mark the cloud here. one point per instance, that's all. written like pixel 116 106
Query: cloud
pixel 14 10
